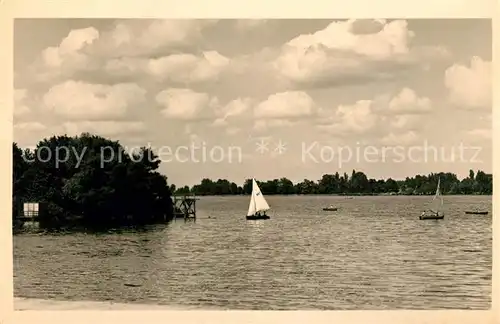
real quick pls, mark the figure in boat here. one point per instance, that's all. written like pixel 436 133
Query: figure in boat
pixel 432 212
pixel 330 208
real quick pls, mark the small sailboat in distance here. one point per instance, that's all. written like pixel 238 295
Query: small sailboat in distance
pixel 436 205
pixel 330 208
pixel 258 204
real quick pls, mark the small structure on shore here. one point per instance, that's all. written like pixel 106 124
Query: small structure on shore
pixel 29 214
pixel 185 207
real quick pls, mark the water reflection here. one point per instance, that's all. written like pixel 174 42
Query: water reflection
pixel 256 225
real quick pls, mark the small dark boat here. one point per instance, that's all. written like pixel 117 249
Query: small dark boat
pixel 430 216
pixel 131 285
pixel 330 208
pixel 476 212
pixel 257 217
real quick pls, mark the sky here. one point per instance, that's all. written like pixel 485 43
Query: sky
pixel 236 99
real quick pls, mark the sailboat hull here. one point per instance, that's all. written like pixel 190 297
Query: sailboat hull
pixel 431 217
pixel 257 217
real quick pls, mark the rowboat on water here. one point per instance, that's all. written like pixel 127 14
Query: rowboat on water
pixel 476 212
pixel 330 208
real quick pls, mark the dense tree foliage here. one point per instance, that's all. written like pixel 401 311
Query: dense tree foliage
pixel 357 183
pixel 92 182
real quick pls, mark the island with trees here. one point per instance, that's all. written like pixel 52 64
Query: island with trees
pixel 91 182
pixel 126 190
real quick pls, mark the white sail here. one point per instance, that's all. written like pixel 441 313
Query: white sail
pixel 437 201
pixel 257 201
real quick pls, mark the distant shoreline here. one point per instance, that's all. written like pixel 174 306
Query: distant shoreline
pixel 337 195
pixel 355 184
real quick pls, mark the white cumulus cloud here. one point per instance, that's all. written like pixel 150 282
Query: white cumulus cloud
pixel 80 100
pixel 383 114
pixel 290 104
pixel 396 139
pixel 234 109
pixel 407 101
pixel 470 86
pixel 338 54
pixel 185 104
pixel 124 48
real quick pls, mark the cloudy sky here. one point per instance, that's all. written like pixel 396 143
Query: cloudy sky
pixel 370 92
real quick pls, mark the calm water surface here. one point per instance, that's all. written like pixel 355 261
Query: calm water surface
pixel 373 253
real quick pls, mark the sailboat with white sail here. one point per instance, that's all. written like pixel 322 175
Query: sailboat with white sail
pixel 258 204
pixel 435 212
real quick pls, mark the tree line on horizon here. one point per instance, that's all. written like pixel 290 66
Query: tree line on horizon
pixel 358 183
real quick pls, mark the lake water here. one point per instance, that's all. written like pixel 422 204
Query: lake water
pixel 374 253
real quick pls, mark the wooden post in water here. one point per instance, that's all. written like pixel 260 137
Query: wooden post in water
pixel 185 207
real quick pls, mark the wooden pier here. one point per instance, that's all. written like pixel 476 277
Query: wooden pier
pixel 185 207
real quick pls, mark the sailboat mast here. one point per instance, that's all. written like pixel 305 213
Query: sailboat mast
pixel 440 195
pixel 253 194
